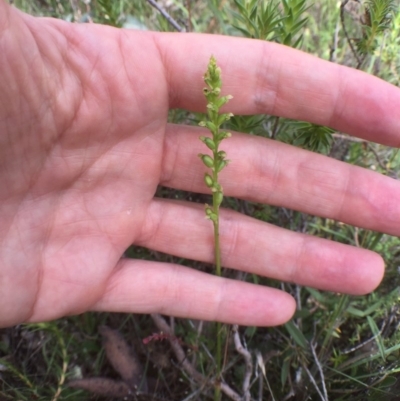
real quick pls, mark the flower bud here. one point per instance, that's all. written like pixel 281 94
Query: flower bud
pixel 208 142
pixel 221 164
pixel 208 180
pixel 223 135
pixel 210 214
pixel 219 197
pixel 207 160
pixel 210 126
pixel 208 210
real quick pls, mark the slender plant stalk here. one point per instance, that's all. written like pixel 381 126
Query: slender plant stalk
pixel 216 162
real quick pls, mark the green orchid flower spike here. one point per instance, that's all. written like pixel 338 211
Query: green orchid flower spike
pixel 213 121
pixel 216 163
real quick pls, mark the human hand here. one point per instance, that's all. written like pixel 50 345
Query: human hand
pixel 85 143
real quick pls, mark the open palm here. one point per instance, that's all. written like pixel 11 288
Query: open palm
pixel 85 143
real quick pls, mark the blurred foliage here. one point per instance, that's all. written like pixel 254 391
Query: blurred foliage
pixel 377 20
pixel 277 21
pixel 313 137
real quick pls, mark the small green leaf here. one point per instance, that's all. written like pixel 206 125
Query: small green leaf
pixel 285 372
pixel 296 335
pixel 378 338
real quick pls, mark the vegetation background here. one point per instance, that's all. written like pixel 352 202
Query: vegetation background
pixel 337 347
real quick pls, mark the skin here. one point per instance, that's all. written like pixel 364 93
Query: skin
pixel 84 142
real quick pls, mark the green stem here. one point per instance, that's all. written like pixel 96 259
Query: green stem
pixel 217 251
pixel 217 388
pixel 218 272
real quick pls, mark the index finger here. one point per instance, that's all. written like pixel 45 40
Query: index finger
pixel 267 78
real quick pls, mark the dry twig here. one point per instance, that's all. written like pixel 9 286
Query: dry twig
pixel 349 41
pixel 165 14
pixel 314 383
pixel 321 372
pixel 248 361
